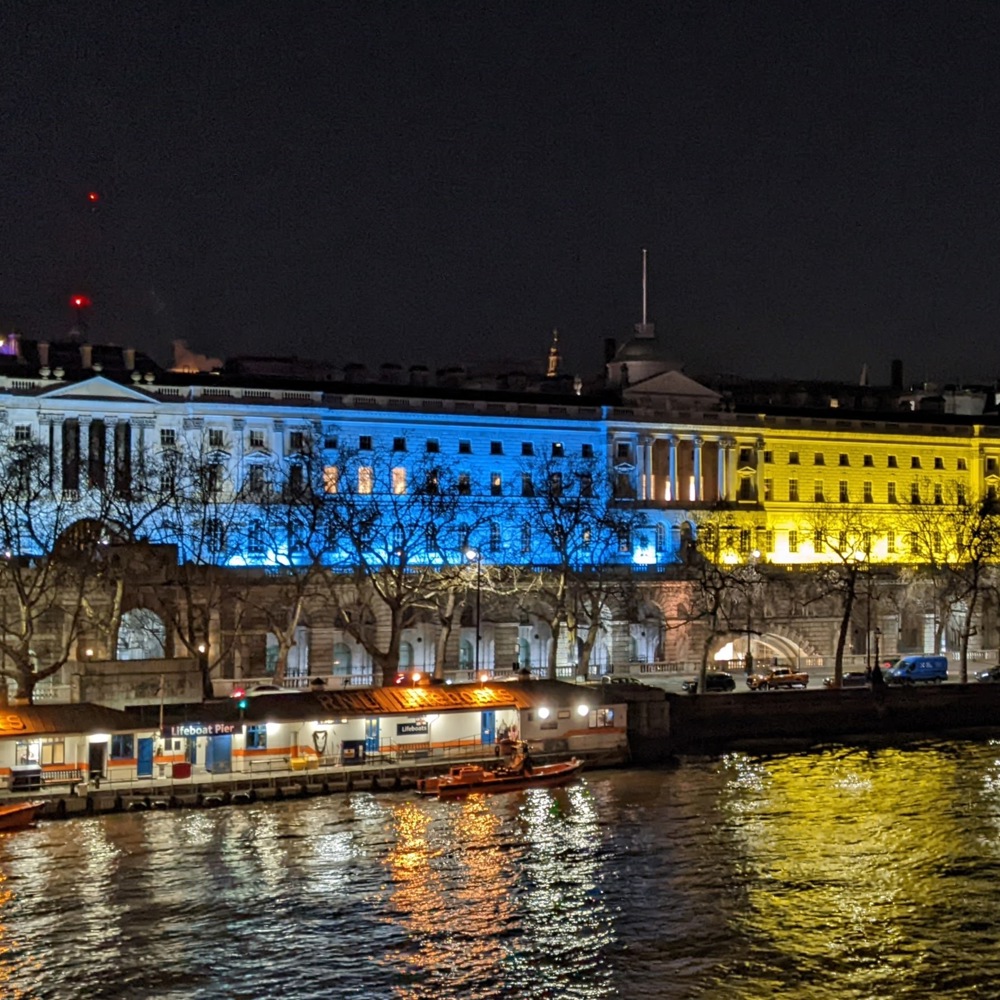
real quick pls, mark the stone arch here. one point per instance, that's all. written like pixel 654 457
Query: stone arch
pixel 141 636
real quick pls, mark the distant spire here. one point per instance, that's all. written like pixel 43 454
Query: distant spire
pixel 645 328
pixel 554 356
pixel 864 374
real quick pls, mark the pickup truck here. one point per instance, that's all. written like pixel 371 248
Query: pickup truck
pixel 779 677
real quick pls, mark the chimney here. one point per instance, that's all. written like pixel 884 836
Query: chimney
pixel 43 354
pixel 128 354
pixel 86 355
pixel 896 378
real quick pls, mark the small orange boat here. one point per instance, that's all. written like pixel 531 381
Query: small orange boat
pixel 470 779
pixel 17 815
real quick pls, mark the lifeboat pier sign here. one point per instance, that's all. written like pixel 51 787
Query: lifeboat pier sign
pixel 193 729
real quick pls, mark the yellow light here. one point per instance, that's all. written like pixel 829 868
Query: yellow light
pixel 543 713
pixel 583 710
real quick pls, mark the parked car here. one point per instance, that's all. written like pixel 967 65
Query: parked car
pixel 715 680
pixel 918 670
pixel 986 676
pixel 852 679
pixel 779 677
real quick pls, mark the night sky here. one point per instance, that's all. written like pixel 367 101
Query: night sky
pixel 817 184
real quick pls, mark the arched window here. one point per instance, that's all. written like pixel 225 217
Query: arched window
pixel 142 636
pixel 523 653
pixel 405 656
pixel 341 660
pixel 466 656
pixel 661 538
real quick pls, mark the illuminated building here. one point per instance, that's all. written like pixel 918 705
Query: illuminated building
pixel 702 474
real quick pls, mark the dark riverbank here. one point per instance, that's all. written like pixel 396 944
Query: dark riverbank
pixel 663 725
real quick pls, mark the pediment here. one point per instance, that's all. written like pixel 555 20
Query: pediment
pixel 673 383
pixel 98 387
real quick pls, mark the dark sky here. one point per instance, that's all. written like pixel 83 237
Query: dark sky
pixel 817 183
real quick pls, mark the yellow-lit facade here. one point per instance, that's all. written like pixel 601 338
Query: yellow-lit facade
pixel 803 490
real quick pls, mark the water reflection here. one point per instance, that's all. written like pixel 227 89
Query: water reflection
pixel 845 873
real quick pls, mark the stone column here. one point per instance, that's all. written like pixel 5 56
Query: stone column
pixel 672 469
pixel 698 442
pixel 758 478
pixel 640 469
pixel 646 444
pixel 723 468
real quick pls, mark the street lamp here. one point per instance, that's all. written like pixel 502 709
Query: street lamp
pixel 754 556
pixel 470 555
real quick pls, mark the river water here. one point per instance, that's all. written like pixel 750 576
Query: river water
pixel 839 873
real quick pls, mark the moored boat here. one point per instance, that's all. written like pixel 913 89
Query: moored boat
pixel 470 779
pixel 16 815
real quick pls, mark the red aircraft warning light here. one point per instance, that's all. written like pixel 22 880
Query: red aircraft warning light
pixel 79 302
pixel 93 197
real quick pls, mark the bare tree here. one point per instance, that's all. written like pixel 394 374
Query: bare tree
pixel 396 539
pixel 197 512
pixel 843 535
pixel 51 562
pixel 578 540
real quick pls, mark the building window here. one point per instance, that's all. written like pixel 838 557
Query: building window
pixel 938 494
pixel 557 449
pixel 869 461
pixel 844 459
pixel 122 746
pixel 818 458
pixel 216 478
pixel 891 493
pixel 914 492
pixel 819 542
pixel 938 463
pixel 768 457
pixel 255 538
pixel 793 458
pixel 845 496
pixel 525 538
pixel 624 542
pixel 494 537
pixel 891 462
pixel 464 484
pixel 746 488
pixel 496 484
pixel 22 433
pixel 331 442
pixel 765 539
pixel 216 439
pixel 366 479
pixel 296 480
pixel 890 543
pixel 297 441
pixel 936 541
pixel 991 466
pixel 793 491
pixel 746 538
pixel 914 462
pixel 793 541
pixel 399 480
pixel 586 451
pixel 868 495
pixel 465 447
pixel 586 484
pixel 399 444
pixel 961 465
pixel 256 737
pixel 496 447
pixel 555 484
pixel 623 450
pixel 960 494
pixel 527 449
pixel 365 442
pixel 215 534
pixel 746 456
pixel 768 489
pixel 818 491
pixel 168 437
pixel 433 446
pixel 256 439
pixel 527 486
pixel 914 544
pixel 256 480
pixel 331 479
